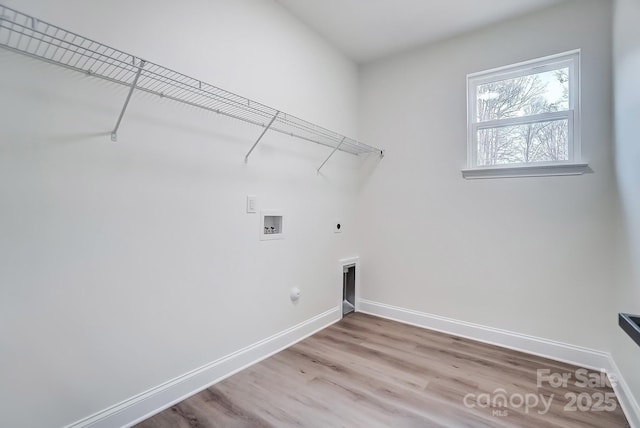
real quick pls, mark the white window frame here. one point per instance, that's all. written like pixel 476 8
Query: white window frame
pixel 572 166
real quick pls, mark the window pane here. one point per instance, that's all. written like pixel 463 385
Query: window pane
pixel 533 142
pixel 524 96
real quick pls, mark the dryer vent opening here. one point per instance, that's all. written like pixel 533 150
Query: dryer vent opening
pixel 348 289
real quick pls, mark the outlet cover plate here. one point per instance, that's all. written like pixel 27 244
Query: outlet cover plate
pixel 251 204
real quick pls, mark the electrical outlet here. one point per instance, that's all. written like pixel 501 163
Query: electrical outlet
pixel 251 204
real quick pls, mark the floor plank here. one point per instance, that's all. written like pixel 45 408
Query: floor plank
pixel 371 372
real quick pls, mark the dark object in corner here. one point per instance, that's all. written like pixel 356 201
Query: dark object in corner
pixel 630 324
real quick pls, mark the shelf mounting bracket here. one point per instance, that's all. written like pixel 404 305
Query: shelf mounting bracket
pixel 114 134
pixel 334 150
pixel 266 128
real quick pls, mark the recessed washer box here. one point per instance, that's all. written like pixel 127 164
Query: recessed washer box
pixel 271 225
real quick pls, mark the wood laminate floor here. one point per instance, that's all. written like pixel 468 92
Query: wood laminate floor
pixel 370 372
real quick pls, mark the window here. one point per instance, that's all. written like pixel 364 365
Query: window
pixel 523 119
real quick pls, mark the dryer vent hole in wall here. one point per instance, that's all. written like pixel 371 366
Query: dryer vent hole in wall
pixel 348 289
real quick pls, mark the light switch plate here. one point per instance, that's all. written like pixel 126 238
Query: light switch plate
pixel 251 204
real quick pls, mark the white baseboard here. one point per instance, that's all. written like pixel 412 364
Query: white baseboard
pixel 625 396
pixel 558 351
pixel 142 406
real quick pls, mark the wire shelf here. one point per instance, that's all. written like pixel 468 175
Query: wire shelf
pixel 27 35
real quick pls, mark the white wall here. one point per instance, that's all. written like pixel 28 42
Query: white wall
pixel 125 265
pixel 530 255
pixel 627 149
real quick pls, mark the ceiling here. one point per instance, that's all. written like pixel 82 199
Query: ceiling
pixel 366 30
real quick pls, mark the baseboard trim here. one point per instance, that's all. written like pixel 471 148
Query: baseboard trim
pixel 571 354
pixel 146 404
pixel 576 355
pixel 625 396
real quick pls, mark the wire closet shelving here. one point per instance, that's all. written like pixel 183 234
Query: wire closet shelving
pixel 30 36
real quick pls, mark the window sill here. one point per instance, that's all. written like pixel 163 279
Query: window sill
pixel 526 171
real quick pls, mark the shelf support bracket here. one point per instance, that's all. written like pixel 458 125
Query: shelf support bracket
pixel 334 150
pixel 114 134
pixel 266 128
